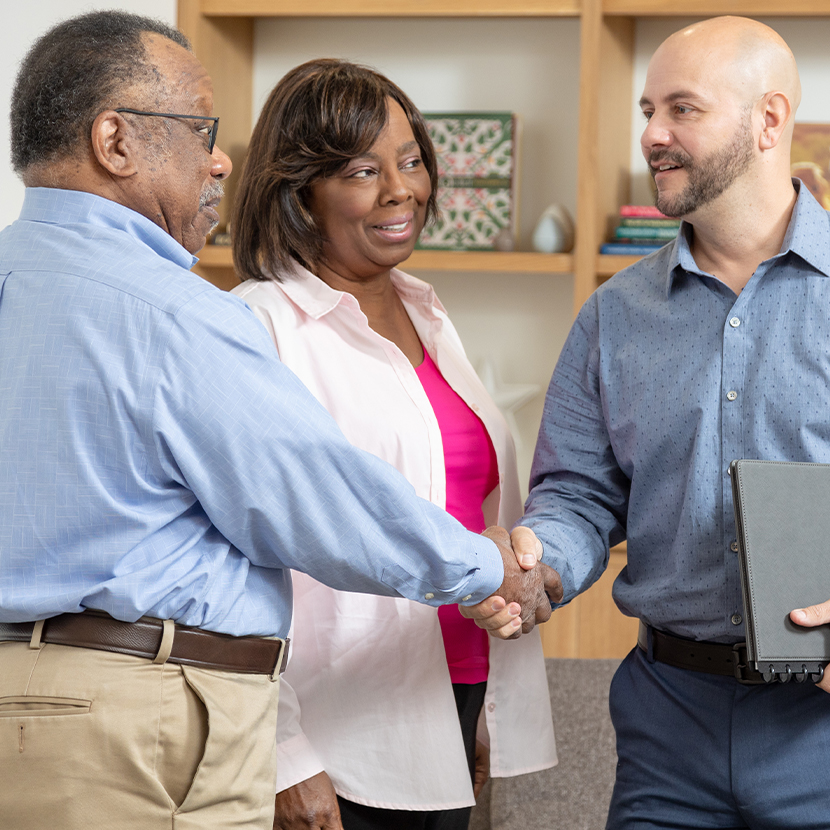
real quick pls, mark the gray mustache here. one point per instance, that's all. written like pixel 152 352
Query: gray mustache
pixel 212 193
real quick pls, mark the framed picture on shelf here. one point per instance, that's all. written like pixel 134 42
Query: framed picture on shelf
pixel 477 155
pixel 810 159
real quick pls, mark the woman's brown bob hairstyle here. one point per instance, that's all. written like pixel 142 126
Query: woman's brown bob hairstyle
pixel 319 117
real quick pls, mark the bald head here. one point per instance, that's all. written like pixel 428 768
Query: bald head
pixel 720 100
pixel 747 57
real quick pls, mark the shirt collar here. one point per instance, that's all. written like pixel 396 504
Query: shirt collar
pixel 316 298
pixel 808 236
pixel 67 207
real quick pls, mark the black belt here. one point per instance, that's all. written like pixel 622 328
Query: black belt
pixel 711 658
pixel 191 646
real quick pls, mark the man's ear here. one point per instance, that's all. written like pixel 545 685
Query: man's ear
pixel 777 112
pixel 113 144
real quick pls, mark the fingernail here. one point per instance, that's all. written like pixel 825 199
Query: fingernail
pixel 528 559
pixel 516 622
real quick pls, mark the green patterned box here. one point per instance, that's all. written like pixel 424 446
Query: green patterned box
pixel 476 181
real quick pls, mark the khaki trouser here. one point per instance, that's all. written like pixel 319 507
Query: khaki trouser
pixel 90 739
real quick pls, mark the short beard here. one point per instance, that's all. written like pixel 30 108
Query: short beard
pixel 709 177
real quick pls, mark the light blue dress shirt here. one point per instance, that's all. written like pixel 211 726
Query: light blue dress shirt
pixel 157 458
pixel 666 377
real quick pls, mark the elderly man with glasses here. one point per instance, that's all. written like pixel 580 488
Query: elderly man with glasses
pixel 160 470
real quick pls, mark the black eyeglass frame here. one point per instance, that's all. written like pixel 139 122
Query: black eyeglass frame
pixel 213 130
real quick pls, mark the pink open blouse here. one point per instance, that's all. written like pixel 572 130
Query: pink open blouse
pixel 472 474
pixel 367 694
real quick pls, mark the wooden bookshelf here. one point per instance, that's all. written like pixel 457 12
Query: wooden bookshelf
pixel 592 625
pixel 219 256
pixel 608 265
pixel 711 8
pixel 216 264
pixel 222 35
pixel 382 8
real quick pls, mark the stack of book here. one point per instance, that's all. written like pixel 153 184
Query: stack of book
pixel 641 230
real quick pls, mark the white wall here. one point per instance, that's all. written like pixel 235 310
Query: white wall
pixel 22 24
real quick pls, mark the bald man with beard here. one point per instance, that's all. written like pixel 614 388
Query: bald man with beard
pixel 711 349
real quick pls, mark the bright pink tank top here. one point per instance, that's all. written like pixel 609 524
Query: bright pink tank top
pixel 472 474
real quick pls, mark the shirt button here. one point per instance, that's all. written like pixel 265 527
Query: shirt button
pixel 734 547
pixel 491 707
pixel 735 322
pixel 469 596
pixel 737 619
pixel 731 395
pixel 430 595
pixel 475 407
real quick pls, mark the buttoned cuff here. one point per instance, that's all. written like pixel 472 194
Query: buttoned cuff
pixel 489 576
pixel 485 575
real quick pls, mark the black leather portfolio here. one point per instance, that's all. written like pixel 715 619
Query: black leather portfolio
pixel 782 514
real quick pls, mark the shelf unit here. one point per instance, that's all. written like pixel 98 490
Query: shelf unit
pixel 215 263
pixel 222 36
pixel 222 33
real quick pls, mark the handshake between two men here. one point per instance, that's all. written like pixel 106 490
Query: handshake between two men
pixel 529 587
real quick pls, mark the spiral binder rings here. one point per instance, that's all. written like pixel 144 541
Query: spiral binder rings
pixel 782 516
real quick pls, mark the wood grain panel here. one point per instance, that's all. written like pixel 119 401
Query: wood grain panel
pixel 592 625
pixel 219 256
pixel 608 265
pixel 708 8
pixel 603 177
pixel 226 51
pixel 383 8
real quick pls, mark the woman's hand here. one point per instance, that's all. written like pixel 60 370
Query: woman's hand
pixel 309 805
pixel 482 771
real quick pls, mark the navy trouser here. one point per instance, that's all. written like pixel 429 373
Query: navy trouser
pixel 699 750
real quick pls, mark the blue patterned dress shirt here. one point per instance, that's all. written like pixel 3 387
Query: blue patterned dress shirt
pixel 157 458
pixel 665 378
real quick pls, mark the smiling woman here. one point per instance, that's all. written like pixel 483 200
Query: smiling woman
pixel 372 211
pixel 338 184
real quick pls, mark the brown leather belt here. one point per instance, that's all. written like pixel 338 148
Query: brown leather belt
pixel 191 646
pixel 712 658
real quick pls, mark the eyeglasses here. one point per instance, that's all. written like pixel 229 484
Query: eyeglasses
pixel 212 129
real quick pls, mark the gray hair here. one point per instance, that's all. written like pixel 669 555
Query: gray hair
pixel 71 74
